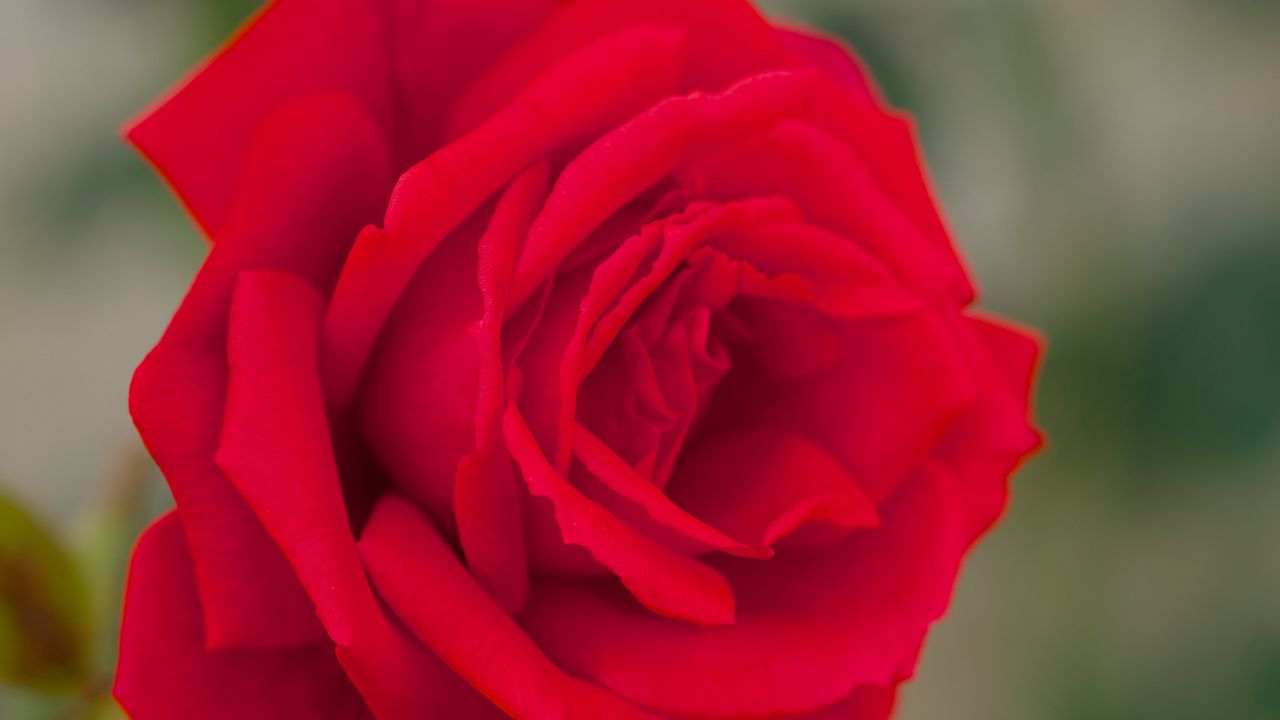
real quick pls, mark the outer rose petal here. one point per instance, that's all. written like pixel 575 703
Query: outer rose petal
pixel 728 40
pixel 836 59
pixel 1015 357
pixel 887 143
pixel 996 435
pixel 200 138
pixel 319 153
pixel 422 579
pixel 275 448
pixel 275 445
pixel 165 671
pixel 402 60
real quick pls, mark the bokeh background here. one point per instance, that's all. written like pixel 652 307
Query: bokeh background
pixel 1112 171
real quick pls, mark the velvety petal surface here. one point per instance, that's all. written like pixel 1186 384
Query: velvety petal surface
pixel 727 41
pixel 485 494
pixel 275 448
pixel 423 581
pixel 667 582
pixel 586 92
pixel 201 137
pixel 275 445
pixel 764 483
pixel 317 172
pixel 165 671
pixel 810 626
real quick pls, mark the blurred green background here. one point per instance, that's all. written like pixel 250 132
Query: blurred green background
pixel 1112 171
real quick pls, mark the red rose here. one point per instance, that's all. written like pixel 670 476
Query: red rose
pixel 568 359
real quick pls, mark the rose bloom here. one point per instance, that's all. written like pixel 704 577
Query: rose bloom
pixel 593 359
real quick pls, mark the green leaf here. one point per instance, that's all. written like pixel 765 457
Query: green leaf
pixel 44 613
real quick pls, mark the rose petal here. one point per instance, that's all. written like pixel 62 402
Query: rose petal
pixel 728 40
pixel 867 702
pixel 811 627
pixel 848 282
pixel 887 144
pixel 599 322
pixel 200 138
pixel 484 494
pixel 634 156
pixel 835 58
pixel 837 190
pixel 665 581
pixel 689 366
pixel 319 152
pixel 418 405
pixel 909 391
pixel 426 584
pixel 275 445
pixel 401 679
pixel 620 477
pixel 164 670
pixel 439 47
pixel 386 56
pixel 589 90
pixel 275 449
pixel 778 482
pixel 993 438
pixel 1015 356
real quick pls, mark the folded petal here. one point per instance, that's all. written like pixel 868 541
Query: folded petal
pixel 425 583
pixel 165 671
pixel 847 281
pixel 667 582
pixel 417 405
pixel 621 478
pixel 275 445
pixel 485 496
pixel 609 302
pixel 401 679
pixel 275 449
pixel 317 172
pixel 811 627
